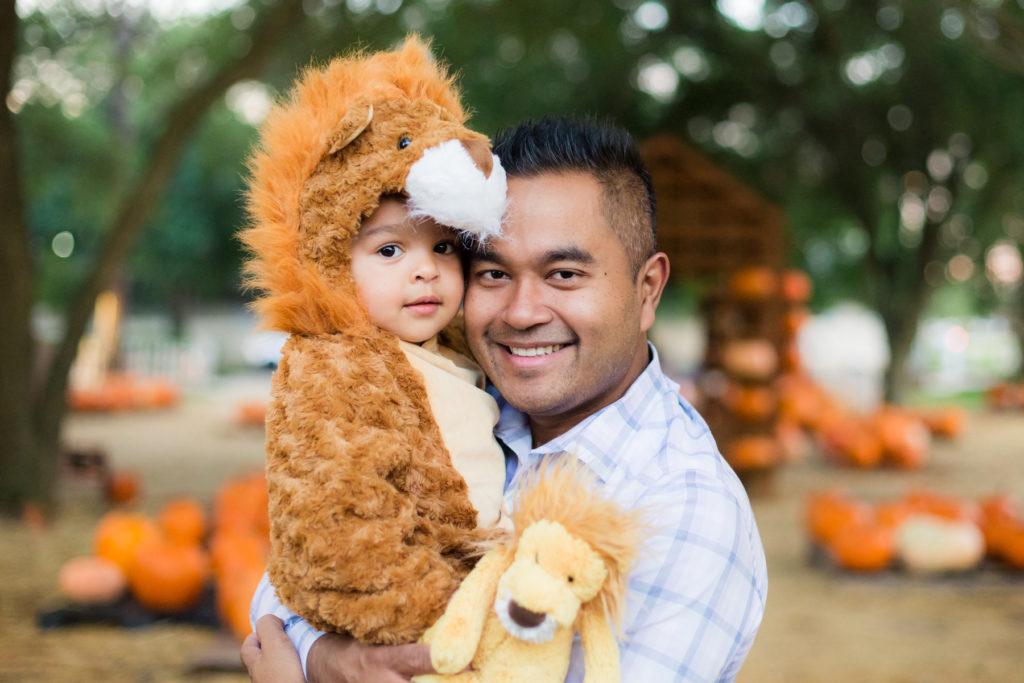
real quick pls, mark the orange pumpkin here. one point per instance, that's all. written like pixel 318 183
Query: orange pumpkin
pixel 91 580
pixel 752 452
pixel 794 443
pixel 794 319
pixel 1000 515
pixel 1012 549
pixel 233 599
pixel 892 513
pixel 944 507
pixel 905 439
pixel 948 423
pixel 242 505
pixel 863 547
pixel 234 552
pixel 118 536
pixel 122 487
pixel 183 521
pixel 828 512
pixel 852 441
pixel 168 576
pixel 755 282
pixel 795 285
pixel 751 359
pixel 251 413
pixel 750 402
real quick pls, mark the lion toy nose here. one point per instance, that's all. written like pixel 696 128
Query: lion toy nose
pixel 523 616
pixel 480 153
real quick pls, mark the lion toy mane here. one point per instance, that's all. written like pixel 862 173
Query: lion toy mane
pixel 372 528
pixel 565 572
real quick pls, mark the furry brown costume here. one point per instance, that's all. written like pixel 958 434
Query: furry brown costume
pixel 371 526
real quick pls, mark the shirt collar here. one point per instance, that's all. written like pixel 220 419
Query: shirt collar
pixel 625 413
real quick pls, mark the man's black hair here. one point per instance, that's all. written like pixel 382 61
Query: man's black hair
pixel 609 153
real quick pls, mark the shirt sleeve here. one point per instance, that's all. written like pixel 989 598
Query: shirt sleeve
pixel 302 635
pixel 697 594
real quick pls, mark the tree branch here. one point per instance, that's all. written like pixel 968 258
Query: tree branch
pixel 182 120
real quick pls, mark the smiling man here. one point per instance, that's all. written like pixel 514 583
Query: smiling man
pixel 557 313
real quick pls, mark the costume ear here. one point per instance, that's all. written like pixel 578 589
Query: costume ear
pixel 355 121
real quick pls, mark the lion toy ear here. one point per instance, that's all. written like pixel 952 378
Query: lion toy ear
pixel 355 121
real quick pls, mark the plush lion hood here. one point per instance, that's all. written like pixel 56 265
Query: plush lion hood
pixel 360 128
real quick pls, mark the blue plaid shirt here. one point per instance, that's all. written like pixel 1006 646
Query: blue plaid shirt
pixel 697 592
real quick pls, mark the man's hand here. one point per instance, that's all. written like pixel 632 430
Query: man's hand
pixel 340 659
pixel 269 655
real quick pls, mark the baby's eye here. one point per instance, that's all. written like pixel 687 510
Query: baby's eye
pixel 389 250
pixel 445 248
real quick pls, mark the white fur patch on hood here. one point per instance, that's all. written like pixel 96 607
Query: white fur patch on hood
pixel 447 186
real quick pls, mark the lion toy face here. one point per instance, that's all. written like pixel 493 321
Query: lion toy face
pixel 551 577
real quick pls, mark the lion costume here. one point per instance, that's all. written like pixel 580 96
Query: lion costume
pixel 372 528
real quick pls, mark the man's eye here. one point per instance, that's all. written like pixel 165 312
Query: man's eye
pixel 492 275
pixel 563 275
pixel 389 250
pixel 445 247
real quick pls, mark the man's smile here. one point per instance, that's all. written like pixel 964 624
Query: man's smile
pixel 530 351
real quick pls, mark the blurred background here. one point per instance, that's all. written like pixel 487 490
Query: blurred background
pixel 841 193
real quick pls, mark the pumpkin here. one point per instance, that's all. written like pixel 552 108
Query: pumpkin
pixel 828 512
pixel 905 439
pixel 118 536
pixel 927 544
pixel 852 441
pixel 234 552
pixel 892 513
pixel 1012 548
pixel 242 505
pixel 793 442
pixel 752 452
pixel 794 319
pixel 947 423
pixel 168 576
pixel 752 403
pixel 183 521
pixel 233 600
pixel 1000 515
pixel 944 507
pixel 251 413
pixel 863 547
pixel 91 580
pixel 751 359
pixel 795 286
pixel 1003 396
pixel 755 282
pixel 122 487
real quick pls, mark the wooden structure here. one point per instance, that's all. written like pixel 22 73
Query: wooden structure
pixel 713 227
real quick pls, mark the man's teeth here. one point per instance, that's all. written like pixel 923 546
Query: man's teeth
pixel 535 350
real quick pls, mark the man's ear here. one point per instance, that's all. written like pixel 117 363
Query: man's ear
pixel 355 121
pixel 650 282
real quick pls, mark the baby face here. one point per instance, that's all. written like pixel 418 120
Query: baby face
pixel 407 271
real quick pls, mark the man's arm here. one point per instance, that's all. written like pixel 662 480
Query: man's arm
pixel 284 646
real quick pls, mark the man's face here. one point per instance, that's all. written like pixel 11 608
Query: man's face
pixel 553 313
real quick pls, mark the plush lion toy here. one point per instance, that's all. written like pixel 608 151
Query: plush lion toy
pixel 371 526
pixel 515 615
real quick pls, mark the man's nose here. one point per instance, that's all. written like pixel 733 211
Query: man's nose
pixel 527 306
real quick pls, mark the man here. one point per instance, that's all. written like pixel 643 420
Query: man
pixel 557 312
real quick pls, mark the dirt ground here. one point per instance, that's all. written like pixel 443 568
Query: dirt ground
pixel 820 625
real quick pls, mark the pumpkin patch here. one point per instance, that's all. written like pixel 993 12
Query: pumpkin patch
pixel 167 563
pixel 922 533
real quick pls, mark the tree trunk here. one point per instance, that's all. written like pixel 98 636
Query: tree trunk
pixel 30 425
pixel 16 275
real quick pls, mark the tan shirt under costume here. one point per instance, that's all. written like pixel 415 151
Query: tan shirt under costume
pixel 465 415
